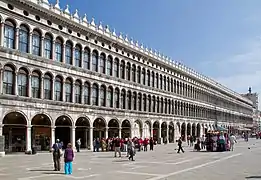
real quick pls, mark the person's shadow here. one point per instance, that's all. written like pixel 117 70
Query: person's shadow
pixel 253 177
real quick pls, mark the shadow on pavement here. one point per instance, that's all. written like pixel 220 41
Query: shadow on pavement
pixel 40 170
pixel 53 173
pixel 253 177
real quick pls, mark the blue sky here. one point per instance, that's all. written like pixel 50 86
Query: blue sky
pixel 221 39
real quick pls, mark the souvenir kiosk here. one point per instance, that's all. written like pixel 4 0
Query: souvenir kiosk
pixel 217 140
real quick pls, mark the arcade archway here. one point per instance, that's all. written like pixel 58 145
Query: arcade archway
pixel 171 132
pixel 113 130
pixel 137 129
pixel 194 133
pixel 14 131
pixel 147 130
pixel 99 127
pixel 198 130
pixel 183 131
pixel 41 132
pixel 164 132
pixel 83 131
pixel 156 126
pixel 63 125
pixel 126 129
pixel 188 129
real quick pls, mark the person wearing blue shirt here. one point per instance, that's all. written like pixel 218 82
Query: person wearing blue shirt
pixel 57 149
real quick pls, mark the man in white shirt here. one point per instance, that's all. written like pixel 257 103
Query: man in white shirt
pixel 233 140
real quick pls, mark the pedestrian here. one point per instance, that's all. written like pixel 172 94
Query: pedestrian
pixel 68 159
pixel 117 147
pixel 233 140
pixel 151 144
pixel 132 151
pixel 180 145
pixel 57 153
pixel 78 145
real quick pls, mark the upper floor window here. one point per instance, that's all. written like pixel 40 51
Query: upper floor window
pixel 78 54
pixel 47 86
pixel 122 70
pixel 47 47
pixel 138 74
pixel 77 91
pixel 143 77
pixel 134 98
pixel 86 59
pixel 8 80
pixel 102 63
pixel 9 35
pixel 87 93
pixel 36 43
pixel 58 89
pixel 157 80
pixel 164 83
pixel 133 70
pixel 58 50
pixel 102 96
pixel 148 78
pixel 23 39
pixel 22 82
pixel 109 97
pixel 109 66
pixel 68 90
pixel 95 92
pixel 68 52
pixel 129 100
pixel 116 67
pixel 152 79
pixel 160 82
pixel 35 85
pixel 117 98
pixel 123 99
pixel 128 71
pixel 95 61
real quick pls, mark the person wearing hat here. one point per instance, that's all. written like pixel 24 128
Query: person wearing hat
pixel 57 153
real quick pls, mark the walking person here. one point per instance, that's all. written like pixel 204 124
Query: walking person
pixel 132 151
pixel 117 147
pixel 180 145
pixel 233 140
pixel 151 144
pixel 78 145
pixel 57 153
pixel 68 159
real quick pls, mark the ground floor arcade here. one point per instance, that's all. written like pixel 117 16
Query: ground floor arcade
pixel 22 131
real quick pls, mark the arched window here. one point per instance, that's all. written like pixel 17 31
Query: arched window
pixel 95 61
pixel 86 93
pixel 109 66
pixel 109 97
pixel 86 59
pixel 68 90
pixel 68 52
pixel 47 86
pixel 78 56
pixel 164 83
pixel 144 101
pixel 8 80
pixel 161 105
pixel 143 79
pixel 157 80
pixel 122 69
pixel 102 63
pixel 116 67
pixel 134 98
pixel 36 43
pixel 149 103
pixel 171 85
pixel 139 102
pixel 58 50
pixel 133 70
pixel 95 92
pixel 35 85
pixel 160 82
pixel 152 79
pixel 153 103
pixel 158 105
pixel 148 78
pixel 77 91
pixel 123 99
pixel 177 87
pixel 102 96
pixel 167 85
pixel 117 98
pixel 23 39
pixel 22 82
pixel 138 74
pixel 58 89
pixel 9 35
pixel 129 100
pixel 169 106
pixel 128 71
pixel 48 46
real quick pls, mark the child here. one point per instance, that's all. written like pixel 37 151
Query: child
pixel 68 159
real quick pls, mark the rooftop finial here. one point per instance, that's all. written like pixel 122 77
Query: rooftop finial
pixel 76 14
pixel 100 26
pixel 93 22
pixel 131 41
pixel 57 5
pixel 67 9
pixel 120 36
pixel 85 18
pixel 126 38
pixel 141 46
pixel 114 32
pixel 46 2
pixel 107 28
pixel 137 43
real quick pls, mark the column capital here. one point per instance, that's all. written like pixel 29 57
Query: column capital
pixel 29 126
pixel 53 127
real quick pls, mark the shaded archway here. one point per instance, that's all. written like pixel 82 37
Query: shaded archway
pixel 126 129
pixel 178 131
pixel 113 130
pixel 137 129
pixel 164 132
pixel 156 126
pixel 194 130
pixel 14 131
pixel 183 131
pixel 171 132
pixel 198 130
pixel 82 131
pixel 63 125
pixel 99 126
pixel 41 132
pixel 147 130
pixel 188 129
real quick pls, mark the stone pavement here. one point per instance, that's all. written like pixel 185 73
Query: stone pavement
pixel 163 163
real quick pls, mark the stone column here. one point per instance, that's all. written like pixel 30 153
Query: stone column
pixel 1 82
pixel 53 89
pixel 106 132
pixel 28 139
pixel 42 88
pixel 29 86
pixel 63 89
pixel 91 138
pixel 73 137
pixel 120 132
pixel 30 43
pixel 63 53
pixel 2 34
pixel 52 136
pixel 73 56
pixel 167 134
pixel 15 84
pixel 159 134
pixel 73 92
pixel 151 130
pixel 42 47
pixel 1 129
pixel 16 39
pixel 86 138
pixel 53 51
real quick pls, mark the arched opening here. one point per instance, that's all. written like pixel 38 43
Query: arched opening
pixel 14 131
pixel 99 126
pixel 178 130
pixel 63 130
pixel 171 132
pixel 189 129
pixel 126 129
pixel 147 130
pixel 137 129
pixel 198 130
pixel 41 132
pixel 183 131
pixel 113 130
pixel 83 131
pixel 194 130
pixel 156 130
pixel 164 132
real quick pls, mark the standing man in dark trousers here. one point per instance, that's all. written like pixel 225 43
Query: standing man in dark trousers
pixel 151 144
pixel 57 149
pixel 180 145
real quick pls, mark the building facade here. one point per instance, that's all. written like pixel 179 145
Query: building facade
pixel 64 77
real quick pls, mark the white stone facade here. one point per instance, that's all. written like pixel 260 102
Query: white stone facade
pixel 59 71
